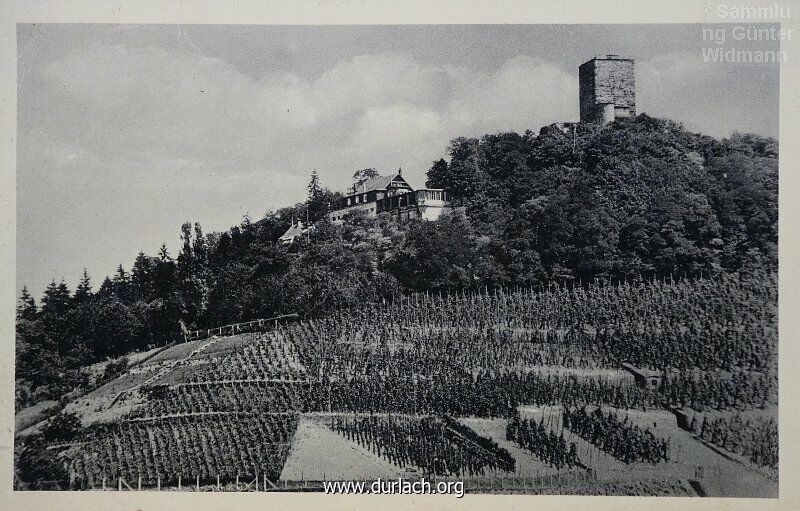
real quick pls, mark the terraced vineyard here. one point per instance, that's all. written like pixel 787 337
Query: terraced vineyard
pixel 208 445
pixel 395 379
pixel 439 446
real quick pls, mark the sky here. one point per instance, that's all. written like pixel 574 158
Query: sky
pixel 126 131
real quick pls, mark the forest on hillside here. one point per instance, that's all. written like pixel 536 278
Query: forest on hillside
pixel 642 198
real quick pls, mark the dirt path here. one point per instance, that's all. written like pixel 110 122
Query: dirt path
pixel 318 453
pixel 690 459
pixel 721 477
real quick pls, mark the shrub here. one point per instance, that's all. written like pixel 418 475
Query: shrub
pixel 62 426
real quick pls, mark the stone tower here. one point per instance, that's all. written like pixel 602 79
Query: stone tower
pixel 607 89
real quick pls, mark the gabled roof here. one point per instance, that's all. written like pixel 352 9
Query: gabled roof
pixel 642 371
pixel 379 183
pixel 294 231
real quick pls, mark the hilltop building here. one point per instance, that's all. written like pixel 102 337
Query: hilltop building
pixel 607 89
pixel 295 231
pixel 646 378
pixel 392 195
pixel 383 195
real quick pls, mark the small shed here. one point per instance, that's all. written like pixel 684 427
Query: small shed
pixel 682 416
pixel 645 377
pixel 294 232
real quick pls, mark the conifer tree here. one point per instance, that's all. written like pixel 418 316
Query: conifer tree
pixel 26 306
pixel 55 301
pixel 313 185
pixel 83 293
pixel 186 255
pixel 55 310
pixel 106 288
pixel 192 272
pixel 163 253
pixel 200 249
pixel 142 277
pixel 122 284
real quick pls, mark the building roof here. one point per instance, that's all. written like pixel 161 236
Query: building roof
pixel 641 371
pixel 376 183
pixel 609 56
pixel 294 231
pixel 379 183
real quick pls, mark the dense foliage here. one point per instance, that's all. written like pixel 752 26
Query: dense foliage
pixel 63 426
pixel 640 198
pixel 37 467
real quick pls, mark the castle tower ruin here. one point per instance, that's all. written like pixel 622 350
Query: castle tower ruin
pixel 607 89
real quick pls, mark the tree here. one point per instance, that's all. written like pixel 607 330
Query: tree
pixel 55 301
pixel 83 293
pixel 61 427
pixel 114 368
pixel 362 176
pixel 123 288
pixel 313 185
pixel 56 304
pixel 26 306
pixel 438 174
pixel 37 464
pixel 193 273
pixel 116 328
pixel 231 297
pixel 142 276
pixel 440 255
pixel 462 177
pixel 200 248
pixel 186 255
pixel 37 359
pixel 106 288
pixel 320 200
pixel 163 253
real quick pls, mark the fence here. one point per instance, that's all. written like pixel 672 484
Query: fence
pixel 260 482
pixel 662 471
pixel 257 325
